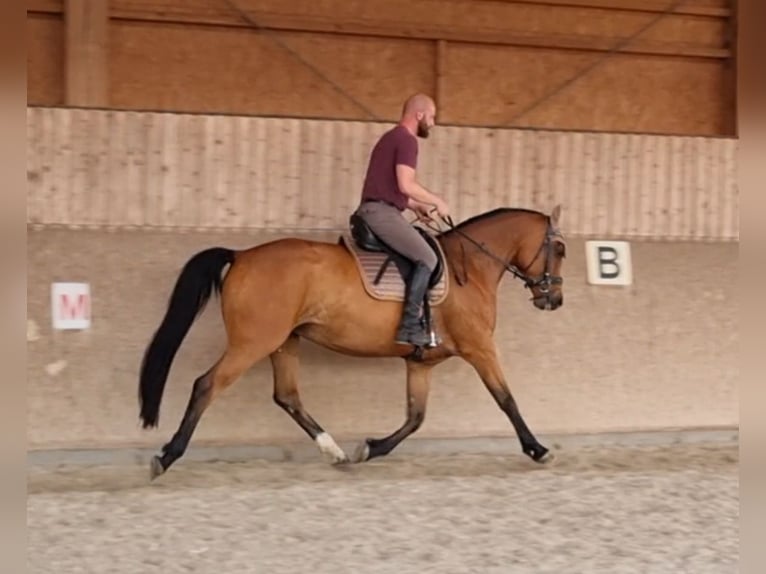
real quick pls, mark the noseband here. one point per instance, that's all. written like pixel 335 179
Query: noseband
pixel 544 281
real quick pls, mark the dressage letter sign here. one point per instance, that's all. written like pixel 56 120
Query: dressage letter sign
pixel 609 262
pixel 70 303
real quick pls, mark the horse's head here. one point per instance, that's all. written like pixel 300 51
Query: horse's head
pixel 538 262
pixel 526 243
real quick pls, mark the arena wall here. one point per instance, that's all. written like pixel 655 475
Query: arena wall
pixel 118 169
pixel 644 66
pixel 120 200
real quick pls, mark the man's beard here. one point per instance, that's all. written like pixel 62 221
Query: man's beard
pixel 423 130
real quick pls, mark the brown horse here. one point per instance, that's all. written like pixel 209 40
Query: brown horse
pixel 275 293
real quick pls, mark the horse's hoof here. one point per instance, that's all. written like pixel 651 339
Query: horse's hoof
pixel 340 461
pixel 342 465
pixel 335 458
pixel 362 452
pixel 155 468
pixel 330 450
pixel 547 458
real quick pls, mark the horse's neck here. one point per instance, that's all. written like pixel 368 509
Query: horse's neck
pixel 496 239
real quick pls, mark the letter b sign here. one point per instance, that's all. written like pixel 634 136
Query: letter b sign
pixel 608 263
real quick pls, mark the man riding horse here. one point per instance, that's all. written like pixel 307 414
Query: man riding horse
pixel 316 302
pixel 389 188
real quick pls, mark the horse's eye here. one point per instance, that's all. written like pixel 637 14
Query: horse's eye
pixel 561 250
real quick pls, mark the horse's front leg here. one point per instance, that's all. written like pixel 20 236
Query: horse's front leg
pixel 418 384
pixel 487 366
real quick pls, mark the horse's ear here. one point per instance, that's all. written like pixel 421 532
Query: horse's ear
pixel 556 214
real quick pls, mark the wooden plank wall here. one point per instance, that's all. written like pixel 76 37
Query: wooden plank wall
pixel 118 169
pixel 641 66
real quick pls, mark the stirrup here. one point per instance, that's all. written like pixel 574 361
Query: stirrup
pixel 434 341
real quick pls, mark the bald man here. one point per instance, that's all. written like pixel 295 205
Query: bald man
pixel 390 187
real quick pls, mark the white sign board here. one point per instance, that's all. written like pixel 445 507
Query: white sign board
pixel 70 305
pixel 609 262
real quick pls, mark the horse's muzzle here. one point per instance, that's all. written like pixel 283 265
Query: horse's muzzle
pixel 549 301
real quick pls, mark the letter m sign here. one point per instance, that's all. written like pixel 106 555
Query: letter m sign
pixel 70 305
pixel 609 263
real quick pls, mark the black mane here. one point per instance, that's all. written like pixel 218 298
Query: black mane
pixel 492 213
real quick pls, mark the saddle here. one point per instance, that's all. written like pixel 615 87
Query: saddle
pixel 373 259
pixel 383 281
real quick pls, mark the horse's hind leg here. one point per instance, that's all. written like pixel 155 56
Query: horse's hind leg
pixel 284 361
pixel 228 369
pixel 418 385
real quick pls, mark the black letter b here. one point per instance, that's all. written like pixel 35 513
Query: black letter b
pixel 607 258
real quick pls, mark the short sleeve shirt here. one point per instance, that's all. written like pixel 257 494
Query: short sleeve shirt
pixel 396 146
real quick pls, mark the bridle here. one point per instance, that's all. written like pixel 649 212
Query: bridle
pixel 543 282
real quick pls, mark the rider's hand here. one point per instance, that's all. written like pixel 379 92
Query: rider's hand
pixel 442 208
pixel 422 212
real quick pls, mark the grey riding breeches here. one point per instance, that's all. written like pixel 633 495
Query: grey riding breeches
pixel 392 228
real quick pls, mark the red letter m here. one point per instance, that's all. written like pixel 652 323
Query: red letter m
pixel 78 309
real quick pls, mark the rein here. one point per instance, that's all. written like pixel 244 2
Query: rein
pixel 543 281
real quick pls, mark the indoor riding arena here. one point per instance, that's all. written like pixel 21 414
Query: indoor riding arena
pixel 598 436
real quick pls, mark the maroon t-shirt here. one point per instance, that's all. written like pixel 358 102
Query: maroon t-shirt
pixel 396 146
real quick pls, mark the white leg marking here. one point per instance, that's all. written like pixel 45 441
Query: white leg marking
pixel 330 449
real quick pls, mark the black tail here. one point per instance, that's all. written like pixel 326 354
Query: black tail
pixel 195 284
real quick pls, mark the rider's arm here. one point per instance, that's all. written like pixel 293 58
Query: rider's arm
pixel 405 176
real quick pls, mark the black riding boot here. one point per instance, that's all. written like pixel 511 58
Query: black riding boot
pixel 411 330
